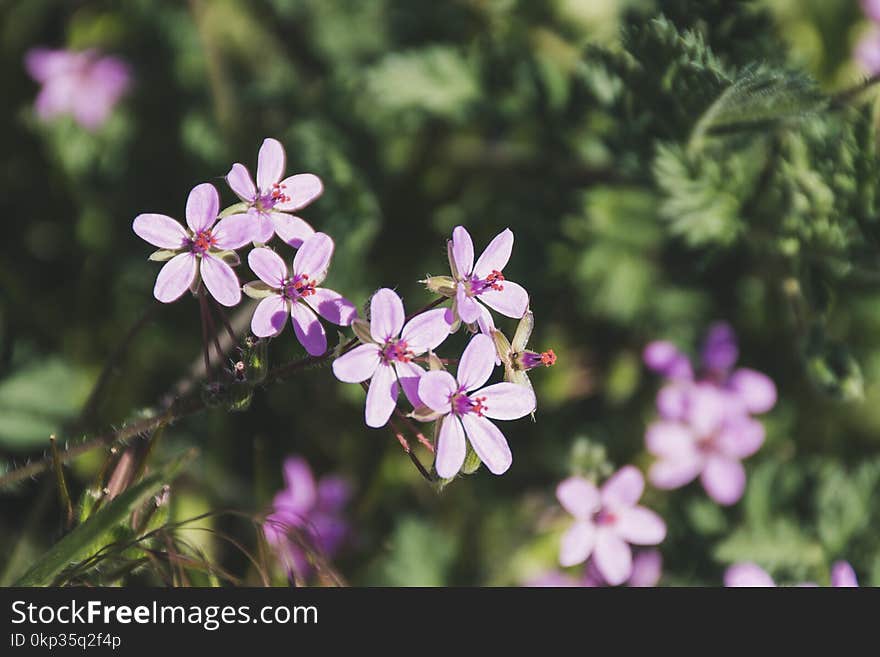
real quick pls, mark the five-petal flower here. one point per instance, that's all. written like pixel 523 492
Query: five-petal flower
pixel 270 201
pixel 607 520
pixel 465 410
pixel 197 250
pixel 297 293
pixel 387 360
pixel 484 281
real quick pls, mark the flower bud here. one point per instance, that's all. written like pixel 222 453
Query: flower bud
pixel 361 328
pixel 443 285
pixel 531 359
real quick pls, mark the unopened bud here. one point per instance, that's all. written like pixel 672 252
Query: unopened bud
pixel 443 285
pixel 361 328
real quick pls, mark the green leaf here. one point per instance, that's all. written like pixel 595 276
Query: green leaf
pixel 89 537
pixel 27 413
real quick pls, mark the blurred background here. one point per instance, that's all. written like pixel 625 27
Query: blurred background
pixel 419 116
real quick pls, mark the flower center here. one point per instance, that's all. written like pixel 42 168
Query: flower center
pixel 476 286
pixel 604 517
pixel 462 404
pixel 299 286
pixel 273 196
pixel 396 350
pixel 202 242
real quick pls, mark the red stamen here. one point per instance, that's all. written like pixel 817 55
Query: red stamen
pixel 495 279
pixel 478 407
pixel 548 358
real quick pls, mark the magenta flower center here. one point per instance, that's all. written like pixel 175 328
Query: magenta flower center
pixel 462 404
pixel 297 287
pixel 604 517
pixel 275 195
pixel 396 350
pixel 202 242
pixel 476 286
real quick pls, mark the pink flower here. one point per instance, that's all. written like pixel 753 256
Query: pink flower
pixel 706 427
pixel 607 520
pixel 484 281
pixel 83 84
pixel 313 509
pixel 867 51
pixel 271 199
pixel 871 9
pixel 387 361
pixel 647 568
pixel 197 250
pixel 748 574
pixel 464 411
pixel 296 293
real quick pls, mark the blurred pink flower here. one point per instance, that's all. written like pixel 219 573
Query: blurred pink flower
pixel 272 199
pixel 871 9
pixel 388 361
pixel 607 520
pixel 867 51
pixel 706 427
pixel 314 511
pixel 748 574
pixel 84 84
pixel 647 568
pixel 295 293
pixel 197 250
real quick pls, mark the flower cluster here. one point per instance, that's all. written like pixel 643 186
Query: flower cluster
pixel 205 251
pixel 395 352
pixel 391 358
pixel 706 426
pixel 83 84
pixel 307 516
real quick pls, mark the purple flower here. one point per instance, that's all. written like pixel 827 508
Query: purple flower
pixel 387 360
pixel 296 293
pixel 484 280
pixel 647 568
pixel 203 249
pixel 464 411
pixel 313 509
pixel 706 427
pixel 84 84
pixel 748 574
pixel 271 199
pixel 843 575
pixel 871 9
pixel 607 520
pixel 867 51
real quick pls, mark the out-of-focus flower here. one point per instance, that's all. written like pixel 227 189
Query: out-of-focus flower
pixel 871 9
pixel 387 359
pixel 482 281
pixel 867 51
pixel 843 575
pixel 297 293
pixel 464 411
pixel 84 84
pixel 748 574
pixel 307 514
pixel 607 521
pixel 203 249
pixel 271 199
pixel 518 360
pixel 706 427
pixel 647 568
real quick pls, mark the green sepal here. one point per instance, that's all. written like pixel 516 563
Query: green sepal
pixel 237 208
pixel 258 290
pixel 163 255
